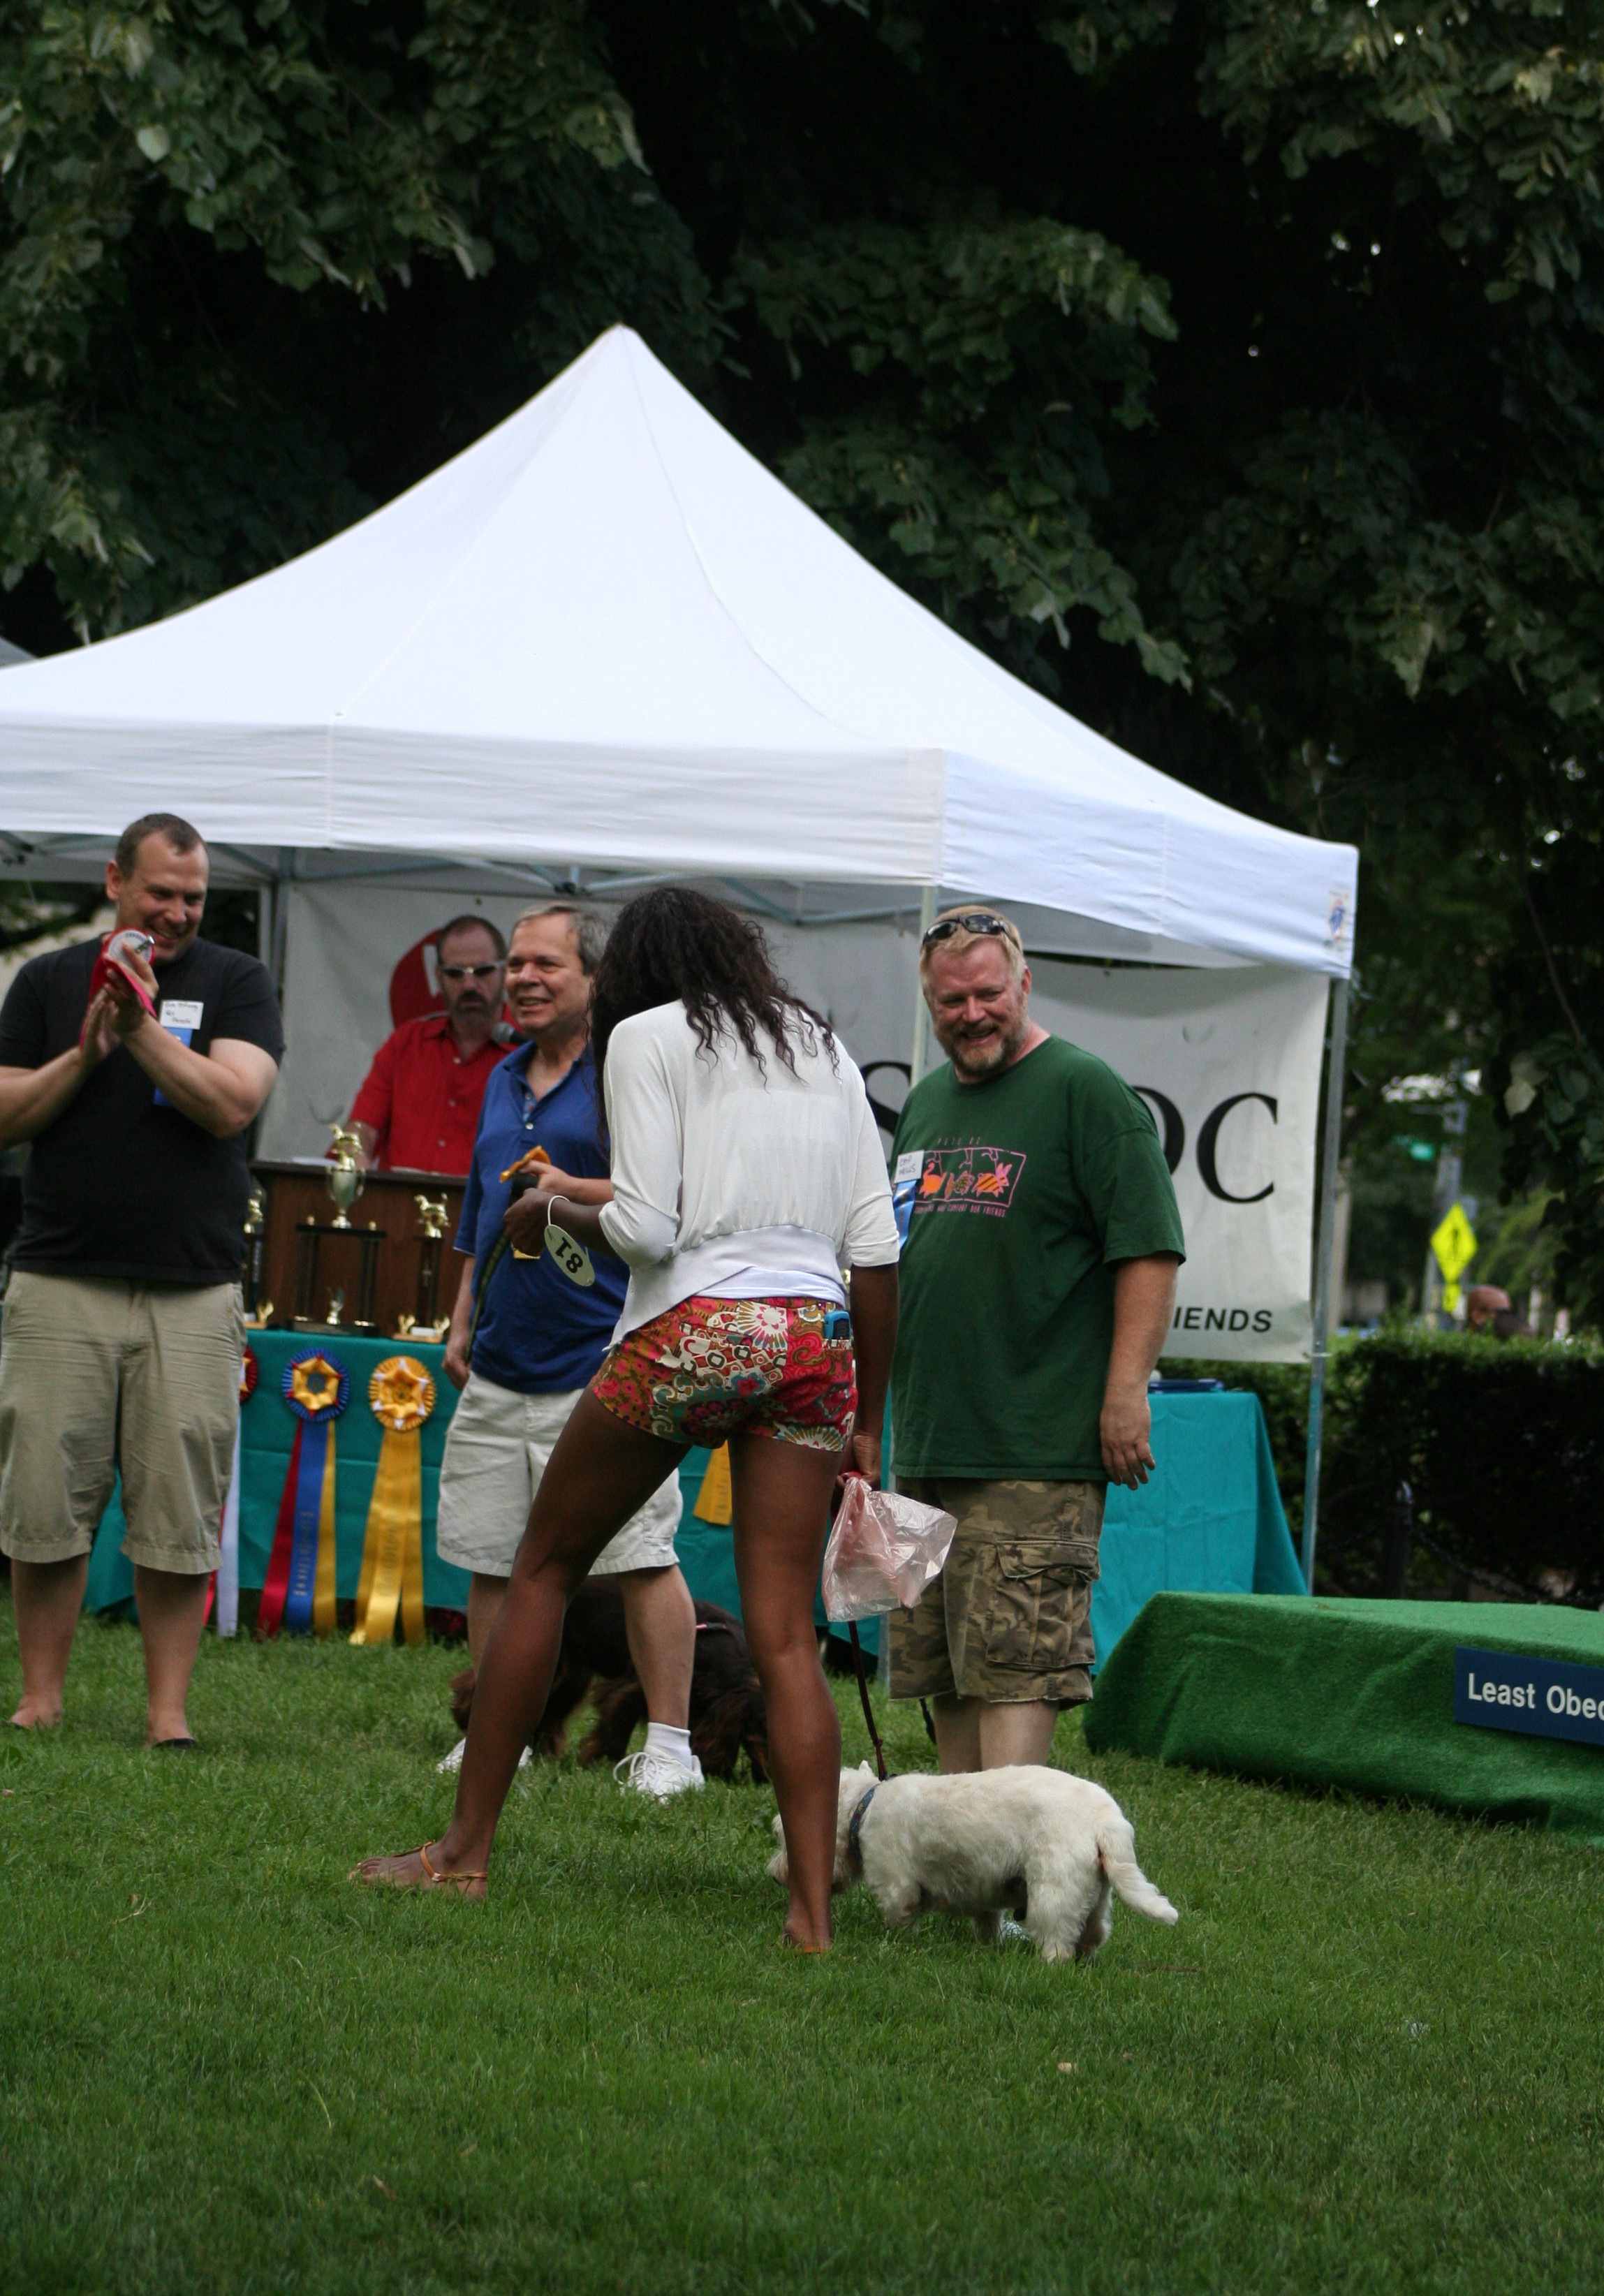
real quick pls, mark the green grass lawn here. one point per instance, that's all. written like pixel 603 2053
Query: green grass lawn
pixel 1368 2058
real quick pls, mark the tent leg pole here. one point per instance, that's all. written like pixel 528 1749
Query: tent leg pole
pixel 916 1064
pixel 281 917
pixel 1320 1337
pixel 916 1069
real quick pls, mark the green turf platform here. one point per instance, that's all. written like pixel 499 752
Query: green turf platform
pixel 1347 1694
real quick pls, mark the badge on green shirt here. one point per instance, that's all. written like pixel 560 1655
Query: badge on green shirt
pixel 1027 1190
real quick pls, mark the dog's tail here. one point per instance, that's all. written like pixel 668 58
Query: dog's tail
pixel 1117 1851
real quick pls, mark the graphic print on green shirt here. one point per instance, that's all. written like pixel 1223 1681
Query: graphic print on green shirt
pixel 1027 1190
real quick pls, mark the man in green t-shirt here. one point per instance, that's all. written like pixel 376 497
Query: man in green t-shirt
pixel 1041 1241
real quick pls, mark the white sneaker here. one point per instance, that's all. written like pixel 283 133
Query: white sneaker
pixel 453 1760
pixel 659 1775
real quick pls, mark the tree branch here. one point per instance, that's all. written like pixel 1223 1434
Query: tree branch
pixel 1547 957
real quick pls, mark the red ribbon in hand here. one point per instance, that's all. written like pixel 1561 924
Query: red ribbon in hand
pixel 108 965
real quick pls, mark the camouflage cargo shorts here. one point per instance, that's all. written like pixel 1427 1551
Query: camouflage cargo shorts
pixel 1009 1618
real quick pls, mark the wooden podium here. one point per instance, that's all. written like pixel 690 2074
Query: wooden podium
pixel 386 1264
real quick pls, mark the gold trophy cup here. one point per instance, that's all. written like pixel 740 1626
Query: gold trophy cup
pixel 346 1182
pixel 347 1178
pixel 426 1324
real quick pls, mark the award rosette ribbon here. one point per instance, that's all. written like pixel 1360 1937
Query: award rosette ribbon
pixel 401 1396
pixel 227 1587
pixel 299 1591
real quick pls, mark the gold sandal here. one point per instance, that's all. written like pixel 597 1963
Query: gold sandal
pixel 432 1876
pixel 449 1881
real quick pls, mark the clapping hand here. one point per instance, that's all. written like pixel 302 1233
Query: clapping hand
pixel 99 1030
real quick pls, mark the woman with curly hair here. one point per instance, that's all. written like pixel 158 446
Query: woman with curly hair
pixel 747 1172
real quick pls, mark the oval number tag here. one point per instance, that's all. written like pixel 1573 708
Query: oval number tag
pixel 572 1258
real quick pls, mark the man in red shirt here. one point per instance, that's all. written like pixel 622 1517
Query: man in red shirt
pixel 417 1109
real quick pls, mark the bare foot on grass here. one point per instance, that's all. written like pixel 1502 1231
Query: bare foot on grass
pixel 418 1869
pixel 800 1938
pixel 32 1715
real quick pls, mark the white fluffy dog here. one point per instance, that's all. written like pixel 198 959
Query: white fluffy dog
pixel 1051 1849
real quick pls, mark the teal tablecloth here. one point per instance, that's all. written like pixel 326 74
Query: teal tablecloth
pixel 1209 1520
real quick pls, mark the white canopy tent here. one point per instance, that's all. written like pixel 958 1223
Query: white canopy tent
pixel 605 640
pixel 605 635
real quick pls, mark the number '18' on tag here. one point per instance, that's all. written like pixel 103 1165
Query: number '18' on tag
pixel 572 1258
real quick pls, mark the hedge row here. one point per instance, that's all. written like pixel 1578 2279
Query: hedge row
pixel 1453 1465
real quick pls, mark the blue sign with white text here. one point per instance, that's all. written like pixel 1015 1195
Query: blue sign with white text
pixel 1544 1697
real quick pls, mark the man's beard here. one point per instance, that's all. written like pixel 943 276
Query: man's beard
pixel 1001 1050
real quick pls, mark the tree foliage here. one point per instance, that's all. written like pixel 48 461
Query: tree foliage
pixel 1230 370
pixel 209 210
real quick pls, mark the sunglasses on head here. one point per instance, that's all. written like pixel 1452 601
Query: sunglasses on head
pixel 973 921
pixel 468 971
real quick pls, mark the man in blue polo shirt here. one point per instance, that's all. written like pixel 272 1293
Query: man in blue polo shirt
pixel 525 1341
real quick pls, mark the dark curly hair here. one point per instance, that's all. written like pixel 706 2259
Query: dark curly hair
pixel 677 946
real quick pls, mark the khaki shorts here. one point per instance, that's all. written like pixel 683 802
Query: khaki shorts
pixel 1009 1620
pixel 98 1373
pixel 496 1449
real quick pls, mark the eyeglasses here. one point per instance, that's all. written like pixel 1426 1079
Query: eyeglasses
pixel 973 921
pixel 468 971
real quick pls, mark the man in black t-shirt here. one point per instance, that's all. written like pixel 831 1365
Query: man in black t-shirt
pixel 123 1332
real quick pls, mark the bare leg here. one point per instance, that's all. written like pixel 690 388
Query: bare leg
pixel 972 1733
pixel 957 1734
pixel 485 1595
pixel 172 1614
pixel 1015 1733
pixel 659 1619
pixel 47 1598
pixel 600 1472
pixel 782 1521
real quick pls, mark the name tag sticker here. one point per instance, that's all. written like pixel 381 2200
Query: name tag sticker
pixel 180 1016
pixel 910 1164
pixel 1541 1697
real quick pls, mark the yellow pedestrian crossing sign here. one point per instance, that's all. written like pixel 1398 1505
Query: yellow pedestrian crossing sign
pixel 1453 1246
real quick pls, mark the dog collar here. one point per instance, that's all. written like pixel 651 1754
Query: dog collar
pixel 855 1827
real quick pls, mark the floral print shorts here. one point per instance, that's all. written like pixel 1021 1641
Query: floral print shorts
pixel 710 1368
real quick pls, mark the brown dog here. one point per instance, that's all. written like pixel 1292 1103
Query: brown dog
pixel 728 1716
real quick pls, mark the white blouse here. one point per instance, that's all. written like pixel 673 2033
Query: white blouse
pixel 741 1181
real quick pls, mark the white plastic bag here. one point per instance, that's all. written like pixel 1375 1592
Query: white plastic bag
pixel 883 1552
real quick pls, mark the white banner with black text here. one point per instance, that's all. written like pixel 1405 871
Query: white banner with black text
pixel 1229 1063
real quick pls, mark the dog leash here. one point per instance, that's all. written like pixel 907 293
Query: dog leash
pixel 499 1250
pixel 874 1735
pixel 857 1658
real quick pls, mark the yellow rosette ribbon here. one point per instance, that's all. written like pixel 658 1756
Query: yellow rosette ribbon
pixel 401 1396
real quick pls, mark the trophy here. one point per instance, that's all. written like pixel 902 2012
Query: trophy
pixel 425 1322
pixel 346 1181
pixel 345 1175
pixel 251 1274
